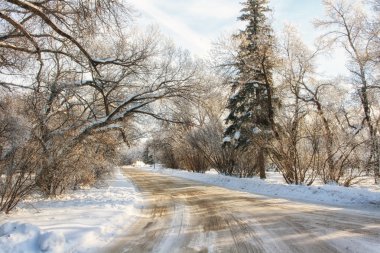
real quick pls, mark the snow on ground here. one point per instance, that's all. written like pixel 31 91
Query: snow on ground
pixel 87 220
pixel 273 186
pixel 78 222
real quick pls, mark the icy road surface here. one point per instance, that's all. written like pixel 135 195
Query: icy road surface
pixel 179 215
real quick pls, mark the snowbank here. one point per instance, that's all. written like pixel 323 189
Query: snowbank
pixel 79 222
pixel 23 237
pixel 335 195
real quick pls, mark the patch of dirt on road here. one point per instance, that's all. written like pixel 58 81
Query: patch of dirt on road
pixel 214 223
pixel 184 216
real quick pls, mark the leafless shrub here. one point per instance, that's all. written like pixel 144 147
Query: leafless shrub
pixel 18 155
pixel 81 98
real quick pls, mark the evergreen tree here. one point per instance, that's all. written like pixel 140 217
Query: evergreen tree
pixel 251 110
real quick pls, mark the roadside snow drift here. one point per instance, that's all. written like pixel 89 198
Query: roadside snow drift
pixel 273 186
pixel 79 222
pixel 23 237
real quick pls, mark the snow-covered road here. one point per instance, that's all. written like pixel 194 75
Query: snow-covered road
pixel 180 215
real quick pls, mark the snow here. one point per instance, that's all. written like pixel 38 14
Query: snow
pixel 237 135
pixel 334 195
pixel 227 139
pixel 82 221
pixel 171 235
pixel 256 130
pixel 104 60
pixel 87 220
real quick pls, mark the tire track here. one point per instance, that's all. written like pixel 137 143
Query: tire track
pixel 186 216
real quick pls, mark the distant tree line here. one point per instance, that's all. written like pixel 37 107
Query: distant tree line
pixel 282 114
pixel 80 83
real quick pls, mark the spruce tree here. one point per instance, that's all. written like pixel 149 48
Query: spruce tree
pixel 250 107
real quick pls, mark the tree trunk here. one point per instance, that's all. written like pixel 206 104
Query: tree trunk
pixel 376 158
pixel 332 173
pixel 261 163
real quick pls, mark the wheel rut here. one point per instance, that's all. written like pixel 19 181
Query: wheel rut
pixel 185 216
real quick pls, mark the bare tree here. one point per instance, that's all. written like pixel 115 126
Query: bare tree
pixel 347 25
pixel 315 138
pixel 83 97
pixel 18 154
pixel 293 151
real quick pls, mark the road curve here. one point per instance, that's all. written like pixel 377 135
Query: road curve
pixel 184 216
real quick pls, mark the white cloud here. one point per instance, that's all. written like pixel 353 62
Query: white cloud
pixel 191 24
pixel 215 9
pixel 195 24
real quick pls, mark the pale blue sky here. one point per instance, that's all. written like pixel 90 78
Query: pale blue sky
pixel 195 24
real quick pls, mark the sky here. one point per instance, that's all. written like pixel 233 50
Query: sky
pixel 196 24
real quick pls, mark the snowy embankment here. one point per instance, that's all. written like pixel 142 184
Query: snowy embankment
pixel 352 197
pixel 78 222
